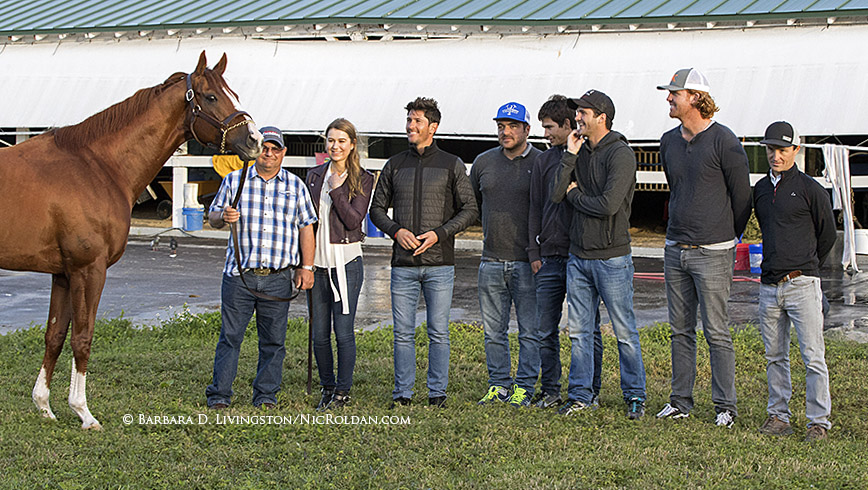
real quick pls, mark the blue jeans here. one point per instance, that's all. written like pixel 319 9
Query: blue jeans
pixel 325 313
pixel 551 290
pixel 435 283
pixel 611 280
pixel 700 278
pixel 799 300
pixel 501 284
pixel 237 308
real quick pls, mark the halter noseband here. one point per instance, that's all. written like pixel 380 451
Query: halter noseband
pixel 197 112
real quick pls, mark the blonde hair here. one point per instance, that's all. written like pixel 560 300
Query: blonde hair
pixel 705 104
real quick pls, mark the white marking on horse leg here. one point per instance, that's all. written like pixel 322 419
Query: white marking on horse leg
pixel 78 399
pixel 40 395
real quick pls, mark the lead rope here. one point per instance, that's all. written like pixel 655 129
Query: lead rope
pixel 233 230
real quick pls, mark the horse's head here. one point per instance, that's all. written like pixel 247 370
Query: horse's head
pixel 215 118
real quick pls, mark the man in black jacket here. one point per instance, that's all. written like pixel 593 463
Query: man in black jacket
pixel 709 205
pixel 431 199
pixel 795 215
pixel 597 178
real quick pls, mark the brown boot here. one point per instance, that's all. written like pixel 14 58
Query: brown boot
pixel 815 433
pixel 773 426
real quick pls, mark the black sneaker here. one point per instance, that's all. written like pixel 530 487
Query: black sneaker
pixel 327 394
pixel 547 400
pixel 635 408
pixel 572 407
pixel 340 399
pixel 437 401
pixel 398 402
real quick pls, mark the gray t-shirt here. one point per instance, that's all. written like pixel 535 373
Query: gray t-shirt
pixel 502 188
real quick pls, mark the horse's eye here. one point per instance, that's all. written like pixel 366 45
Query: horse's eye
pixel 211 98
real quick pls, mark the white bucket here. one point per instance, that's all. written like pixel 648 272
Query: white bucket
pixel 861 241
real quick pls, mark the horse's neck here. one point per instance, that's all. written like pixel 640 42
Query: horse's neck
pixel 140 150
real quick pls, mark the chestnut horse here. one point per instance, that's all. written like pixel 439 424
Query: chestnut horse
pixel 66 198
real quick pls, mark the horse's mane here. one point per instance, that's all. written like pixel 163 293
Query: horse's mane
pixel 113 119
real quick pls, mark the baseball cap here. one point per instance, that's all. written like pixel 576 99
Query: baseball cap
pixel 273 135
pixel 781 133
pixel 687 79
pixel 514 111
pixel 594 99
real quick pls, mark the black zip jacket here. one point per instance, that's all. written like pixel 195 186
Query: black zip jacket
pixel 427 192
pixel 797 224
pixel 606 179
pixel 548 225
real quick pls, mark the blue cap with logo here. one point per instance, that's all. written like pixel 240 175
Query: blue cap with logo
pixel 272 135
pixel 514 111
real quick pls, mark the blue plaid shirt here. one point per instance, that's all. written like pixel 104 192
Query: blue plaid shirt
pixel 272 212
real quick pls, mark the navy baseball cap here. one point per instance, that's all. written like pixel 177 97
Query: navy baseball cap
pixel 514 111
pixel 594 99
pixel 273 135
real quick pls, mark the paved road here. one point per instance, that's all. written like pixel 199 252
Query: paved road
pixel 147 286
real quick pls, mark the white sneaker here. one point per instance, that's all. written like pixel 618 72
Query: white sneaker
pixel 670 412
pixel 724 419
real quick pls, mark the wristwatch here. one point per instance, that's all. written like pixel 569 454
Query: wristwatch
pixel 309 267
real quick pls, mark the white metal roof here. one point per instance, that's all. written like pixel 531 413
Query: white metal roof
pixel 811 76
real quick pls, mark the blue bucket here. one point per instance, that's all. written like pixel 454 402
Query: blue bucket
pixel 193 219
pixel 371 230
pixel 756 259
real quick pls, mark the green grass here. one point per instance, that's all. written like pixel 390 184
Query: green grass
pixel 164 371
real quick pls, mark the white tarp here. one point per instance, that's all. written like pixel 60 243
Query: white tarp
pixel 814 77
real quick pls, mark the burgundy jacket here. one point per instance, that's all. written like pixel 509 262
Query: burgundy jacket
pixel 346 216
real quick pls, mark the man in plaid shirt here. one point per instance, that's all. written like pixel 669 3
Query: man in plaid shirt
pixel 275 233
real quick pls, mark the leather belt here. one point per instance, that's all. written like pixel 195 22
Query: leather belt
pixel 263 271
pixel 789 277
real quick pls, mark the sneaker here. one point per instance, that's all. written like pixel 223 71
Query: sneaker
pixel 340 399
pixel 635 408
pixel 400 402
pixel 519 397
pixel 547 400
pixel 327 394
pixel 773 426
pixel 572 407
pixel 816 433
pixel 437 401
pixel 724 419
pixel 670 412
pixel 495 393
pixel 595 402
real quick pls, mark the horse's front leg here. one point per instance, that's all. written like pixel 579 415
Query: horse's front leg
pixel 59 316
pixel 85 290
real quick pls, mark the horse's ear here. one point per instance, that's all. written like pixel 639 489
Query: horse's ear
pixel 220 67
pixel 200 68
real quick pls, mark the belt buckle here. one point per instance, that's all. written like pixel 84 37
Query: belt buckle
pixel 261 271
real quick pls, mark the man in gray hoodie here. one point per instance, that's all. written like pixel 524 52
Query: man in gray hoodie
pixel 597 177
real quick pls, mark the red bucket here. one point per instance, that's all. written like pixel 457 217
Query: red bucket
pixel 742 257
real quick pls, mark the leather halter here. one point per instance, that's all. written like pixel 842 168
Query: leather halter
pixel 224 126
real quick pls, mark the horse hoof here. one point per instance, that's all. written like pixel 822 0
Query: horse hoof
pixel 48 414
pixel 93 426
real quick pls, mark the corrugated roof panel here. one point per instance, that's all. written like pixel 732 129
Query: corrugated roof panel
pixel 855 4
pixel 501 11
pixel 159 12
pixel 314 9
pixel 795 5
pixel 763 6
pixel 9 11
pixel 524 9
pixel 670 9
pixel 640 8
pixel 733 7
pixel 364 8
pixel 581 9
pixel 702 7
pixel 612 9
pixel 552 10
pixel 438 10
pixel 388 10
pixel 346 8
pixel 38 16
pixel 241 12
pixel 472 9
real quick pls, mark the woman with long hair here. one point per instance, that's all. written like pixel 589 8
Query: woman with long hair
pixel 341 192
